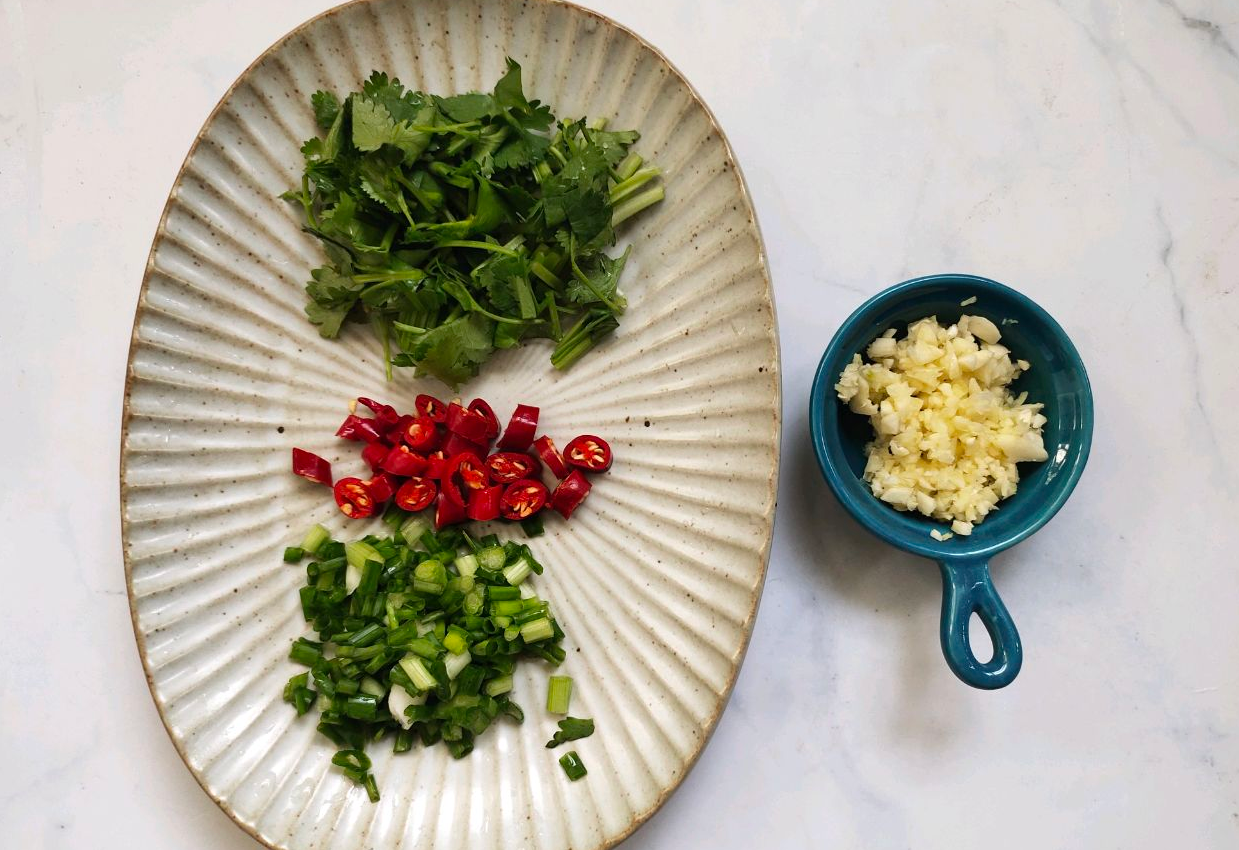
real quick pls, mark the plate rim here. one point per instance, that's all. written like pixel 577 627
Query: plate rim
pixel 763 265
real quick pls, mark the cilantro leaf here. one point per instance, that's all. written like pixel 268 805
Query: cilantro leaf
pixel 523 150
pixel 496 276
pixel 509 92
pixel 489 211
pixel 403 106
pixel 453 351
pixel 603 274
pixel 585 174
pixel 326 107
pixel 571 729
pixel 468 107
pixel 577 194
pixel 332 289
pixel 378 184
pixel 374 126
pixel 328 319
pixel 332 296
pixel 613 144
pixel 333 144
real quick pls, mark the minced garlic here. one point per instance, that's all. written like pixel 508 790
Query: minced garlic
pixel 948 431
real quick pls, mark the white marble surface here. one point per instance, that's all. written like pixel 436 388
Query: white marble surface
pixel 1085 151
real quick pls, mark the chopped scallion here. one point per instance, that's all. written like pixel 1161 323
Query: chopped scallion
pixel 517 571
pixel 499 685
pixel 537 630
pixel 572 765
pixel 314 539
pixel 415 669
pixel 410 646
pixel 559 694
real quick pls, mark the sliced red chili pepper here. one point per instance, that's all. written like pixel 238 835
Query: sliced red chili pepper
pixel 401 461
pixel 416 494
pixel 358 428
pixel 522 500
pixel 397 431
pixel 385 416
pixel 479 406
pixel 545 447
pixel 354 498
pixel 466 423
pixel 463 474
pixel 447 512
pixel 428 405
pixel 435 464
pixel 484 506
pixel 506 467
pixel 521 428
pixel 382 487
pixel 570 493
pixel 421 434
pixel 374 454
pixel 590 453
pixel 455 444
pixel 311 466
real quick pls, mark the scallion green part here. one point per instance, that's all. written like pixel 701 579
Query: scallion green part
pixel 572 765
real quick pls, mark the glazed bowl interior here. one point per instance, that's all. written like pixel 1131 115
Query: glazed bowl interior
pixel 1056 379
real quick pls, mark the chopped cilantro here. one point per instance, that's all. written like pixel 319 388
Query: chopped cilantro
pixel 458 225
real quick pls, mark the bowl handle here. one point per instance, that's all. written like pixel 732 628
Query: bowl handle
pixel 967 590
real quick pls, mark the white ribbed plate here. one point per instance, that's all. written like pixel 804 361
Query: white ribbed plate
pixel 656 580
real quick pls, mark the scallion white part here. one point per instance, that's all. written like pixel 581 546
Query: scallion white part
pixel 455 662
pixel 517 571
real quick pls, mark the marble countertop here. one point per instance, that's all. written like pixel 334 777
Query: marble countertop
pixel 1084 151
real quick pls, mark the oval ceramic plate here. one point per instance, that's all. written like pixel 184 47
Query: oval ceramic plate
pixel 656 581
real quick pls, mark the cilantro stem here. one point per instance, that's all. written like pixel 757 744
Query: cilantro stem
pixel 628 166
pixel 485 246
pixel 404 208
pixel 445 128
pixel 552 310
pixel 306 203
pixel 584 335
pixel 546 276
pixel 388 236
pixel 632 206
pixel 589 284
pixel 409 329
pixel 622 190
pixel 415 191
pixel 477 308
pixel 386 349
pixel 325 237
pixel 390 277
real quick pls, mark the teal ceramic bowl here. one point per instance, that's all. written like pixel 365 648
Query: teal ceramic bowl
pixel 1056 378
